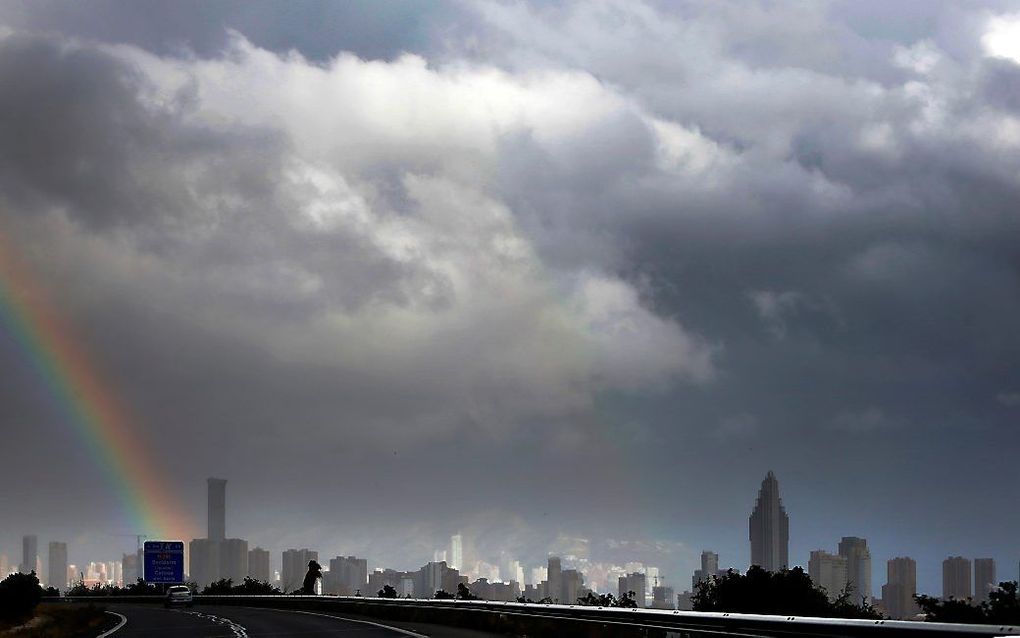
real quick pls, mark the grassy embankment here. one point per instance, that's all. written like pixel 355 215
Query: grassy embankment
pixel 62 620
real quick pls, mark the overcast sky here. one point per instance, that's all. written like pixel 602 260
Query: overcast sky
pixel 534 272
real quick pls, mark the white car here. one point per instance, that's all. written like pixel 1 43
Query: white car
pixel 178 595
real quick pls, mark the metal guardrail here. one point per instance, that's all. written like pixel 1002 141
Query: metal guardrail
pixel 580 620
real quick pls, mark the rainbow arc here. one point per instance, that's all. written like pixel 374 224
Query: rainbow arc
pixel 88 406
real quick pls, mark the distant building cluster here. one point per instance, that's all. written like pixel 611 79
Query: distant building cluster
pixel 848 571
pixel 845 572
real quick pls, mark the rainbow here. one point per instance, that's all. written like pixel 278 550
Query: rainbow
pixel 87 405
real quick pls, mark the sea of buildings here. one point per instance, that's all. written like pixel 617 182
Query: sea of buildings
pixel 218 557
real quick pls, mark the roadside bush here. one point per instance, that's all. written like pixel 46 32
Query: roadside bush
pixel 1002 608
pixel 19 596
pixel 788 592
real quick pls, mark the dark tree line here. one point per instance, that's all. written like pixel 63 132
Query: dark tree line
pixel 137 588
pixel 591 599
pixel 788 592
pixel 20 594
pixel 250 586
pixel 1002 608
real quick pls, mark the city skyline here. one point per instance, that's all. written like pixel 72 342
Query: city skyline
pixel 560 278
pixel 229 558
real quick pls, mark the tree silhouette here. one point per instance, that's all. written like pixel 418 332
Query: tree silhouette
pixel 254 586
pixel 463 593
pixel 387 592
pixel 788 592
pixel 221 586
pixel 19 596
pixel 541 601
pixel 442 594
pixel 629 599
pixel 591 599
pixel 1002 607
pixel 313 574
pixel 949 610
pixel 142 588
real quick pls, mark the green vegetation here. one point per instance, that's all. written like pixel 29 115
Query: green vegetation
pixel 138 588
pixel 67 620
pixel 20 594
pixel 543 601
pixel 1002 608
pixel 607 600
pixel 20 598
pixel 249 585
pixel 788 592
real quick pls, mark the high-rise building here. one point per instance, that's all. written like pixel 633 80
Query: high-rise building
pixel 58 566
pixel 858 566
pixel 984 579
pixel 4 567
pixel 294 568
pixel 663 597
pixel 573 583
pixel 513 571
pixel 828 571
pixel 203 561
pixel 956 578
pixel 633 582
pixel 233 559
pixel 684 602
pixel 555 579
pixel 217 514
pixel 29 554
pixel 217 557
pixel 131 567
pixel 709 568
pixel 456 551
pixel 900 588
pixel 769 528
pixel 434 576
pixel 347 576
pixel 258 564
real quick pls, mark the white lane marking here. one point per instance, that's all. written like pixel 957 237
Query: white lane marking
pixel 364 622
pixel 123 621
pixel 238 630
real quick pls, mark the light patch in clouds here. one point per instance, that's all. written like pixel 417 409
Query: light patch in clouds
pixel 776 309
pixel 1009 399
pixel 367 237
pixel 1002 37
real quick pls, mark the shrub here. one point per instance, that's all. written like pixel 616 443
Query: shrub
pixel 788 592
pixel 19 596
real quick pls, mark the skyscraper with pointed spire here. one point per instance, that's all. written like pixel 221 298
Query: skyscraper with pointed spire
pixel 769 528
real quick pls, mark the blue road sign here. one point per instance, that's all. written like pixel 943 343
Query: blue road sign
pixel 163 561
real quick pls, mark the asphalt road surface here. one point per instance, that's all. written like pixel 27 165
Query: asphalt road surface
pixel 241 622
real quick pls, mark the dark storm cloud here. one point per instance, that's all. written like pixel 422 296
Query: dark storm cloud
pixel 570 244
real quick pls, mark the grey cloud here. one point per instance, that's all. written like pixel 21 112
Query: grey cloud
pixel 1008 399
pixel 318 29
pixel 864 421
pixel 524 260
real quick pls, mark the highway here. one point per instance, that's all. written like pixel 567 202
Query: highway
pixel 203 621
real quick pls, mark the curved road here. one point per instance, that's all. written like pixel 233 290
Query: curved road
pixel 241 622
